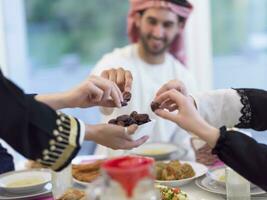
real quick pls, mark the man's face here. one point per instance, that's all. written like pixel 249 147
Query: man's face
pixel 158 27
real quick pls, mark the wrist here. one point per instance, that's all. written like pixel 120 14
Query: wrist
pixel 210 134
pixel 90 132
pixel 66 100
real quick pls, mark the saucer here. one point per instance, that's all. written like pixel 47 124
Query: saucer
pixel 207 184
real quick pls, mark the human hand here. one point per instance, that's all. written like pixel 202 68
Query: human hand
pixel 122 78
pixel 94 91
pixel 186 115
pixel 114 136
pixel 168 103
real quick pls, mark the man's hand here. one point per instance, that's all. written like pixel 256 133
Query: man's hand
pixel 123 78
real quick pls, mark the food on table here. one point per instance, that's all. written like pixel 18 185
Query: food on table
pixel 73 194
pixel 173 170
pixel 126 98
pixel 154 106
pixel 87 172
pixel 167 193
pixel 133 118
pixel 154 152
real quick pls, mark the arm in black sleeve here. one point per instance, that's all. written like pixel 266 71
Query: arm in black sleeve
pixel 243 154
pixel 35 130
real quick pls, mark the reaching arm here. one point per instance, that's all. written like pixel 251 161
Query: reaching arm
pixel 242 153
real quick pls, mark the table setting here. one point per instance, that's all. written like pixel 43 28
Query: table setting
pixel 202 183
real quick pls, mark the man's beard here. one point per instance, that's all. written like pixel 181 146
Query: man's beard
pixel 145 42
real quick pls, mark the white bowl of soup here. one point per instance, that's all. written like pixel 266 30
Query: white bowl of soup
pixel 25 181
pixel 156 150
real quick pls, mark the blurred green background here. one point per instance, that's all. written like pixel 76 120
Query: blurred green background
pixel 86 29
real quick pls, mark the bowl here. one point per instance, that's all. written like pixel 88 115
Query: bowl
pixel 157 150
pixel 25 181
pixel 144 129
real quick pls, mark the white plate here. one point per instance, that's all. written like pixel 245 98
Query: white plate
pixel 158 151
pixel 28 181
pixel 218 175
pixel 85 159
pixel 46 191
pixel 199 169
pixel 209 185
pixel 144 129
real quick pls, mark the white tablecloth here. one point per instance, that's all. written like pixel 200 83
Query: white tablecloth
pixel 195 193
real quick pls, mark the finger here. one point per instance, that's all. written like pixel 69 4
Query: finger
pixel 136 143
pixel 104 74
pixel 120 78
pixel 166 103
pixel 172 94
pixel 104 85
pixel 107 103
pixel 172 108
pixel 118 92
pixel 166 115
pixel 132 129
pixel 115 97
pixel 128 81
pixel 169 104
pixel 95 94
pixel 112 75
pixel 174 84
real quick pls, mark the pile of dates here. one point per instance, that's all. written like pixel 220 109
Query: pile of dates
pixel 133 118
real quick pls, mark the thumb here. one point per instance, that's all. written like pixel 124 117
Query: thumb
pixel 166 115
pixel 132 129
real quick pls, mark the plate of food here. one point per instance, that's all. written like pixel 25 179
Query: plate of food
pixel 25 181
pixel 73 194
pixel 175 173
pixel 86 169
pixel 171 193
pixel 156 150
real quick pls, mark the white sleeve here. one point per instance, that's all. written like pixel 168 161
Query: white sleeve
pixel 219 107
pixel 82 132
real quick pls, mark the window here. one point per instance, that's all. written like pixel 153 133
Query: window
pixel 239 37
pixel 74 32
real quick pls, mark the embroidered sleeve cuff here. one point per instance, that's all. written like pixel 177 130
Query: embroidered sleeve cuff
pixel 65 144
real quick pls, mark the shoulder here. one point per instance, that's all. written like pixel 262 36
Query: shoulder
pixel 119 53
